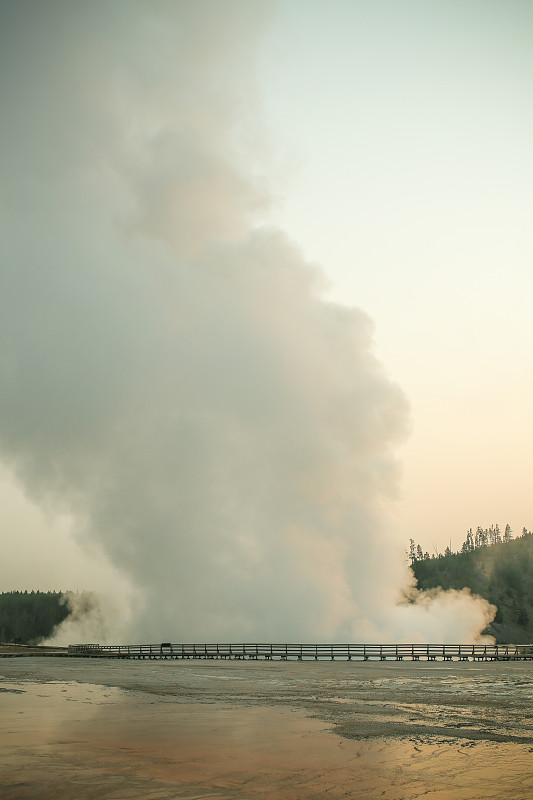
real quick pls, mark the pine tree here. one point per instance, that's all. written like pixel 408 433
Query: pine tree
pixel 412 551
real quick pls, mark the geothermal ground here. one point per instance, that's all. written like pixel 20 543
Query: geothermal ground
pixel 82 729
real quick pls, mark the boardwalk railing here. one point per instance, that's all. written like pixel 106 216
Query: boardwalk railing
pixel 300 652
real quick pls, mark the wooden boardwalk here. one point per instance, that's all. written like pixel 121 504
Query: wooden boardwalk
pixel 314 652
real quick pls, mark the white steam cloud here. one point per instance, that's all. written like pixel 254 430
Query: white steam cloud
pixel 170 371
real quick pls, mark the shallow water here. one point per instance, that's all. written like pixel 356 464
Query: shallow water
pixel 85 729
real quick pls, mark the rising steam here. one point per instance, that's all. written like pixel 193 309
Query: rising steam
pixel 170 371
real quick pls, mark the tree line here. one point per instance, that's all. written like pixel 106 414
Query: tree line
pixel 29 617
pixel 483 537
pixel 496 566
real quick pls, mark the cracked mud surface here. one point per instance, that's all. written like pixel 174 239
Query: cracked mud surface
pixel 86 729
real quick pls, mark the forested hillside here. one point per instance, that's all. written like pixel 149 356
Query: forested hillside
pixel 496 567
pixel 29 617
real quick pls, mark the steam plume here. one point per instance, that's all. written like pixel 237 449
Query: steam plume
pixel 171 372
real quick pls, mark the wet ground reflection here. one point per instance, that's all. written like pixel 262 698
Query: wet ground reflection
pixel 82 730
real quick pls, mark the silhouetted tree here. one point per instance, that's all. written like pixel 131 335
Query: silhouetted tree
pixel 412 551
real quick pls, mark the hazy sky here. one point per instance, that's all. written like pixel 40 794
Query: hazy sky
pixel 391 141
pixel 407 129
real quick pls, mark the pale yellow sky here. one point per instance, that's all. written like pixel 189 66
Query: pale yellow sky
pixel 409 128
